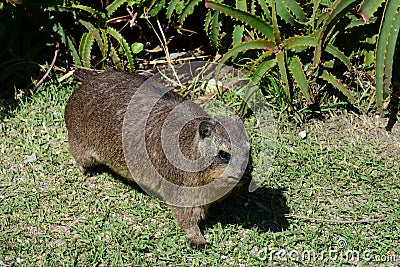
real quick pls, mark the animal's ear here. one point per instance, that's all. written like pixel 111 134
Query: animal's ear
pixel 205 129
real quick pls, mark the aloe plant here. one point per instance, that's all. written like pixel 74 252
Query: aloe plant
pixel 289 50
pixel 297 39
pixel 386 45
pixel 102 36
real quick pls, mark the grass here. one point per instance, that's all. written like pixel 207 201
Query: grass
pixel 335 192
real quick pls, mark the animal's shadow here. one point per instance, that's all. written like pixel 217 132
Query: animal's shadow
pixel 393 106
pixel 263 209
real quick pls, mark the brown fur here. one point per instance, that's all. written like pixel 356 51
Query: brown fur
pixel 94 118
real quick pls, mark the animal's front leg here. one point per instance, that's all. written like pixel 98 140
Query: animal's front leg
pixel 189 218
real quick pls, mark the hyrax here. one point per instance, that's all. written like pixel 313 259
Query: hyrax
pixel 94 118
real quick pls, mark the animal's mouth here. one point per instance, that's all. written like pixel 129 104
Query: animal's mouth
pixel 239 179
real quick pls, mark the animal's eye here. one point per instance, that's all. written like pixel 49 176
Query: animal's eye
pixel 223 156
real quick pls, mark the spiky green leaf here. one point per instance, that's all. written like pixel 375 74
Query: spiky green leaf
pixel 338 10
pixel 265 10
pixel 385 49
pixel 188 10
pixel 66 40
pixel 105 50
pixel 249 19
pixel 310 41
pixel 359 22
pixel 296 68
pixel 288 10
pixel 241 4
pixel 256 44
pixel 237 34
pixel 338 85
pixel 252 87
pixel 296 9
pixel 115 58
pixel 390 50
pixel 90 10
pixel 275 28
pixel 334 51
pixel 280 58
pixel 239 29
pixel 85 48
pixel 127 50
pixel 111 8
pixel 207 21
pixel 96 34
pixel 300 41
pixel 262 69
pixel 213 27
pixel 171 8
pixel 283 12
pixel 369 7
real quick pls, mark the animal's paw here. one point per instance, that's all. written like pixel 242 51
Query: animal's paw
pixel 198 242
pixel 200 246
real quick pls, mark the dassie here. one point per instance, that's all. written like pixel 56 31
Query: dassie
pixel 94 117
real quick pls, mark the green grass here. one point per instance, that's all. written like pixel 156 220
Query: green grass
pixel 346 169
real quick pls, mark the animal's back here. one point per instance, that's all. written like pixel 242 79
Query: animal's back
pixel 95 113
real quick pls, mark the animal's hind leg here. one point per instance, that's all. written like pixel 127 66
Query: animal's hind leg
pixel 85 160
pixel 89 166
